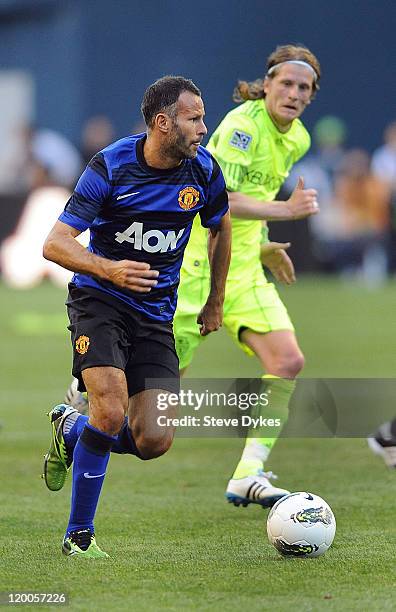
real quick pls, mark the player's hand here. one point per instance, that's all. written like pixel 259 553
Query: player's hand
pixel 273 255
pixel 210 318
pixel 133 275
pixel 302 202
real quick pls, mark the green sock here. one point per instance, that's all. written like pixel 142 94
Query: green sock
pixel 258 444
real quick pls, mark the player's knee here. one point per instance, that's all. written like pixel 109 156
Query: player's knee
pixel 106 411
pixel 290 364
pixel 109 423
pixel 154 446
pixel 106 415
pixel 112 423
pixel 295 364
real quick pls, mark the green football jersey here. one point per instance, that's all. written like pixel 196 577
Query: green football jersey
pixel 255 158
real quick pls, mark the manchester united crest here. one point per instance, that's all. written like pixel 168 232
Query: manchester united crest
pixel 82 344
pixel 188 198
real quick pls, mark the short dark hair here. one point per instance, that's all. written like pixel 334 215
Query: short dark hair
pixel 162 95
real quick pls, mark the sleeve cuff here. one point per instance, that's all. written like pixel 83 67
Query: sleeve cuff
pixel 215 220
pixel 73 221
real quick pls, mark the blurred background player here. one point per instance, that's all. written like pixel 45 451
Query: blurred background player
pixel 21 254
pixel 383 442
pixel 48 167
pixel 97 132
pixel 383 166
pixel 256 145
pixel 320 168
pixel 140 194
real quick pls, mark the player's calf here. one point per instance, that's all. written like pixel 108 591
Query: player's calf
pixel 153 446
pixel 152 425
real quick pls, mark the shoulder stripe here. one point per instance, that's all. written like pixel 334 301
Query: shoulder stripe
pixel 98 165
pixel 253 112
pixel 216 170
pixel 81 207
pixel 249 110
pixel 202 171
pixel 133 173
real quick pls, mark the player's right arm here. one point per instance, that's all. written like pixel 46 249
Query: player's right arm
pixel 301 204
pixel 62 248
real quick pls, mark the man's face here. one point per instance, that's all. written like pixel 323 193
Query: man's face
pixel 288 93
pixel 188 127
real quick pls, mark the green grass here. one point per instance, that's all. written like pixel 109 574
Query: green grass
pixel 174 543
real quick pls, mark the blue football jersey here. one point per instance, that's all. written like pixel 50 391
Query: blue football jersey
pixel 137 212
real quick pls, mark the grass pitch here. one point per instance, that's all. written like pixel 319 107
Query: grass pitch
pixel 174 542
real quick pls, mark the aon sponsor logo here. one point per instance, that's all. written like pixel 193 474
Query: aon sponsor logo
pixel 151 241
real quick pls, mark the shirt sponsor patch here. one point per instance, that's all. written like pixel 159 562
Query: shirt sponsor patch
pixel 240 140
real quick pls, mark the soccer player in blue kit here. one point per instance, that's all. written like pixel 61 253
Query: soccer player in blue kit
pixel 138 197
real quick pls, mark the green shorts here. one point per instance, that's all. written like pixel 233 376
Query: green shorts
pixel 250 303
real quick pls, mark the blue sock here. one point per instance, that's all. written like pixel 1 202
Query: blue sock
pixel 72 428
pixel 75 423
pixel 125 443
pixel 91 456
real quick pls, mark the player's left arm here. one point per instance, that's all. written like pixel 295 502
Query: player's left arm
pixel 219 251
pixel 274 257
pixel 215 215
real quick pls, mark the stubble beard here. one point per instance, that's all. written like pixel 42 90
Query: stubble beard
pixel 178 148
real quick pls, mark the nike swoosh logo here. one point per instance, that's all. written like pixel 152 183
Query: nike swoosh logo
pixel 126 195
pixel 88 475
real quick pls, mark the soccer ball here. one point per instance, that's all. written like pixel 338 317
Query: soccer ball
pixel 301 525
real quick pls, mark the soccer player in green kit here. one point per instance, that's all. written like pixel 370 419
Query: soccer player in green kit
pixel 256 145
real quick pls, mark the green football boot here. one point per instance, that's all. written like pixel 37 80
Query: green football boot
pixel 57 461
pixel 83 544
